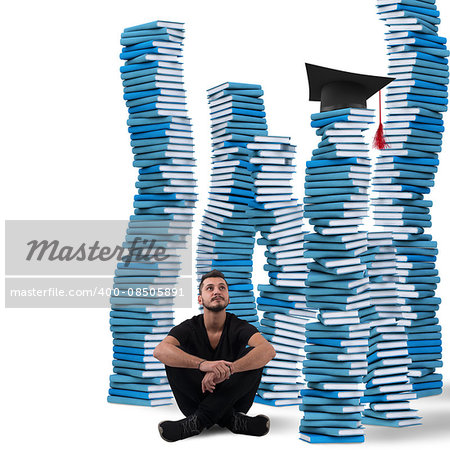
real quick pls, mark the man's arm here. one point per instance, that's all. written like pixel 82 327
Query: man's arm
pixel 259 356
pixel 169 353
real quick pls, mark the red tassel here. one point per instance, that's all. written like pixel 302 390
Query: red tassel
pixel 379 141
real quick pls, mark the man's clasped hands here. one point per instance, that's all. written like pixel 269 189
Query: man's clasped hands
pixel 216 372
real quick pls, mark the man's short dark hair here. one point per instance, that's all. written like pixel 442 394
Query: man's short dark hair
pixel 213 274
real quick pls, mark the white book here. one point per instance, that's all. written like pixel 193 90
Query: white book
pixel 286 341
pixel 292 276
pixel 216 208
pixel 342 262
pixel 395 387
pixel 341 321
pixel 405 27
pixel 272 176
pixel 292 283
pixel 272 183
pixel 289 334
pixel 275 168
pixel 264 160
pixel 271 395
pixel 404 195
pixel 222 119
pixel 350 269
pixel 345 223
pixel 347 140
pixel 395 361
pixel 396 18
pixel 344 387
pixel 268 146
pixel 389 371
pixel 282 372
pixel 340 314
pixel 274 139
pixel 273 198
pixel 276 153
pixel 170 99
pixel 229 98
pixel 339 230
pixel 344 132
pixel 358 112
pixel 290 319
pixel 388 380
pixel 349 153
pixel 352 125
pixel 280 379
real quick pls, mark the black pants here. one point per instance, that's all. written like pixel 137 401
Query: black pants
pixel 235 394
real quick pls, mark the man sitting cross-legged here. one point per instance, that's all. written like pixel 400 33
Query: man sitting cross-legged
pixel 214 376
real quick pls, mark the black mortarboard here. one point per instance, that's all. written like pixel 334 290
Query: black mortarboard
pixel 336 89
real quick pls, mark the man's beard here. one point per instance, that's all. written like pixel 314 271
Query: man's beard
pixel 216 308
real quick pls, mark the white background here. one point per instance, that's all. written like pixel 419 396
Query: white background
pixel 67 156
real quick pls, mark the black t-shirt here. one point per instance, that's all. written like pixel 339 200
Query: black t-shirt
pixel 193 338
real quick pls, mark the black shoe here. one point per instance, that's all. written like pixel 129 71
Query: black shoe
pixel 251 426
pixel 172 431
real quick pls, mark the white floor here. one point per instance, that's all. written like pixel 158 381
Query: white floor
pixel 434 432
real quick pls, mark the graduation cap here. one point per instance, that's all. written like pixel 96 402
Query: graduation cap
pixel 336 89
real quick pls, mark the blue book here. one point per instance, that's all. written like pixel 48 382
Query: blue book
pixel 432 12
pixel 390 422
pixel 129 40
pixel 314 438
pixel 139 394
pixel 428 392
pixel 156 24
pixel 330 408
pixel 144 387
pixel 133 67
pixel 154 381
pixel 335 421
pixel 139 401
pixel 335 431
pixel 330 394
pixel 339 112
pixel 133 350
pixel 277 402
pixel 231 85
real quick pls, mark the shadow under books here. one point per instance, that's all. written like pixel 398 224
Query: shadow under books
pixel 435 413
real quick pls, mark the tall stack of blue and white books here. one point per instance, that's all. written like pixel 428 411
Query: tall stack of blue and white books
pixel 251 191
pixel 227 238
pixel 278 216
pixel 418 59
pixel 336 188
pixel 145 283
pixel 388 386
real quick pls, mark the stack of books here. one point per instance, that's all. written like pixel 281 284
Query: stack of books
pixel 279 218
pixel 388 387
pixel 336 188
pixel 251 191
pixel 145 283
pixel 418 58
pixel 226 240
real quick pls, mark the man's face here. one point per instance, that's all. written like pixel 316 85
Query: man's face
pixel 214 294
